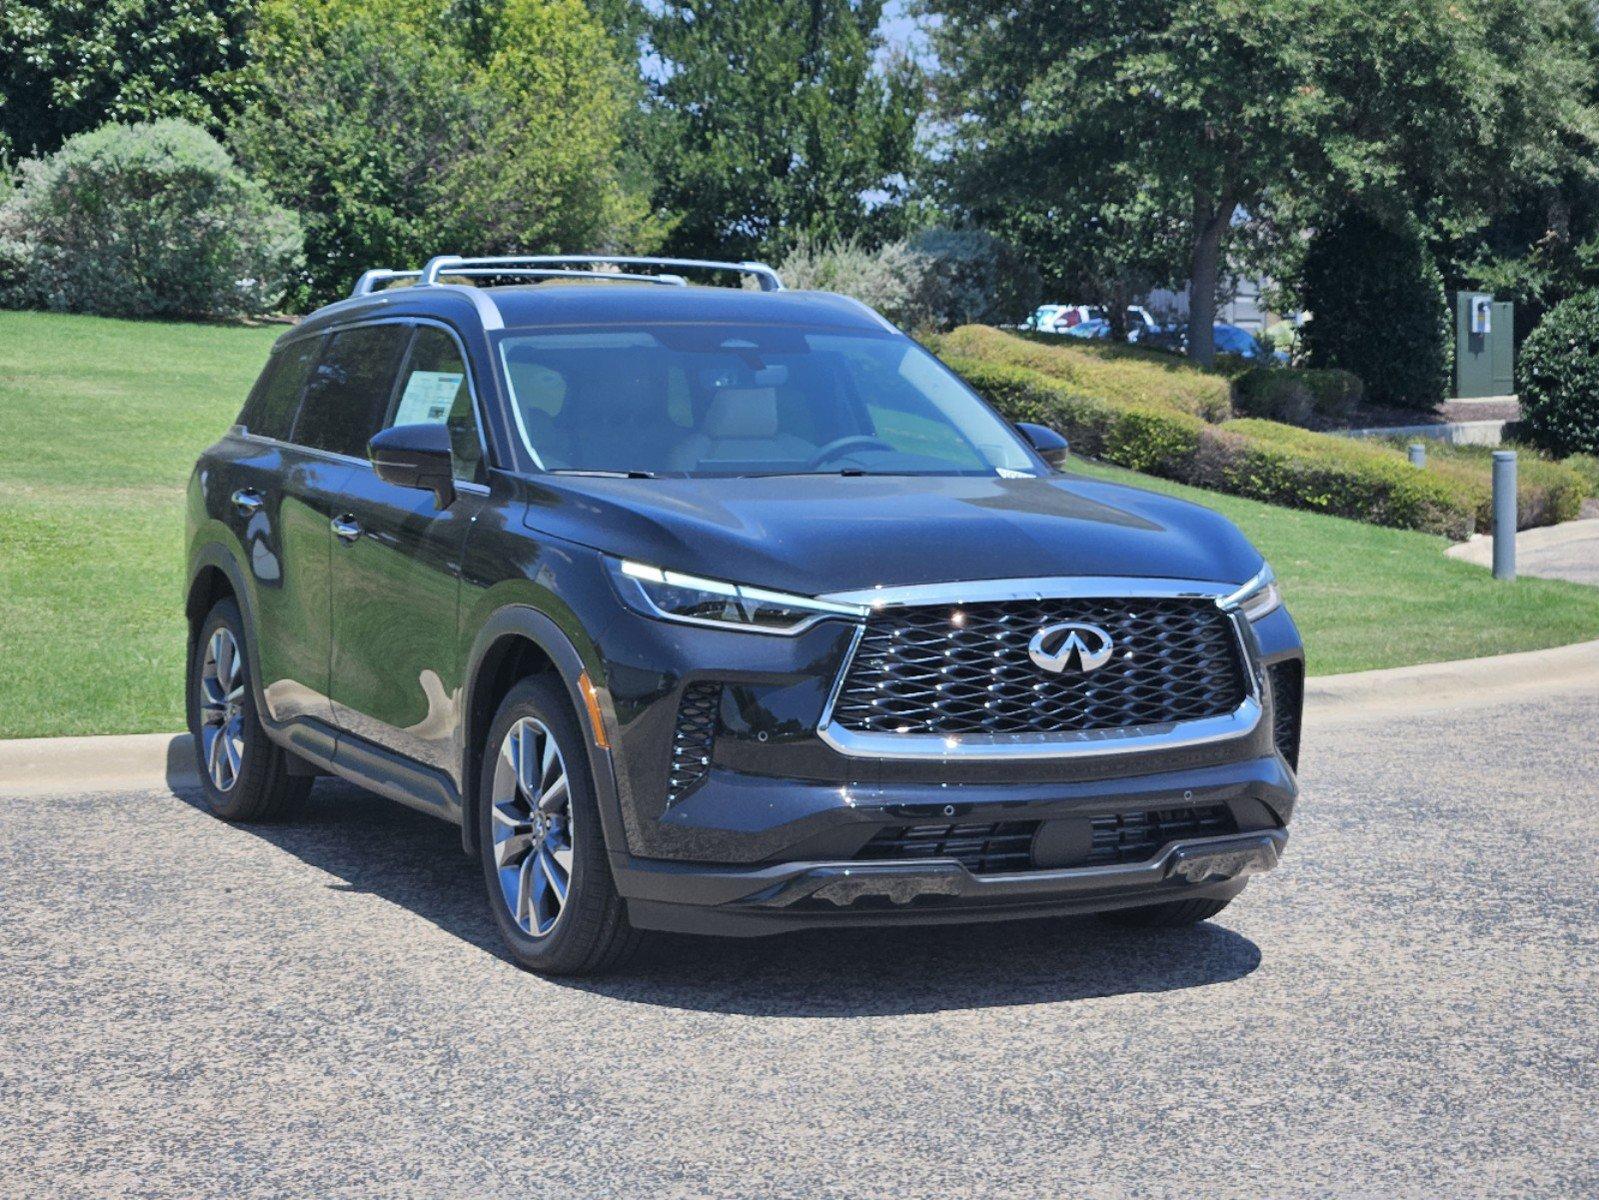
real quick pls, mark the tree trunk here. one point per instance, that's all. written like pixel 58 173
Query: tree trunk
pixel 1210 222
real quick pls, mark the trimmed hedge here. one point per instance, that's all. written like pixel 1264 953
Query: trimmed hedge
pixel 1117 373
pixel 1295 395
pixel 1546 492
pixel 1366 481
pixel 1587 466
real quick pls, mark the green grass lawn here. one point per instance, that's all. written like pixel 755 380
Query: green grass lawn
pixel 101 420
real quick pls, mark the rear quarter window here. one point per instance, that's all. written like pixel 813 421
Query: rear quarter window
pixel 269 412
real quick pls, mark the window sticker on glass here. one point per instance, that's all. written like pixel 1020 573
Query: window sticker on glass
pixel 428 398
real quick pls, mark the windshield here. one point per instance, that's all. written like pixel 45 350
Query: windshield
pixel 748 400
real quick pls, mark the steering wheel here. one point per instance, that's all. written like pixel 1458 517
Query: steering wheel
pixel 855 440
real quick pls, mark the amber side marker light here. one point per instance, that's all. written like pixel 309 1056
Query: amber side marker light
pixel 591 701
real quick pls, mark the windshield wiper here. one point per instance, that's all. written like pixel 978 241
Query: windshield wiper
pixel 851 471
pixel 602 474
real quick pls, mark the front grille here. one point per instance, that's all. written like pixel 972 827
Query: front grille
pixel 692 739
pixel 1287 680
pixel 980 848
pixel 943 671
pixel 1135 836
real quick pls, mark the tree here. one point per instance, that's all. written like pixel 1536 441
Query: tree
pixel 397 134
pixel 1189 115
pixel 67 66
pixel 774 123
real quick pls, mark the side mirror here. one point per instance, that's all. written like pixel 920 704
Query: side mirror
pixel 415 456
pixel 1051 447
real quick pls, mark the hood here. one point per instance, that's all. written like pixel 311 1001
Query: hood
pixel 827 533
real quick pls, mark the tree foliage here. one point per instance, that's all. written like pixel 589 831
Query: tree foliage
pixel 144 220
pixel 775 123
pixel 67 66
pixel 400 129
pixel 1129 137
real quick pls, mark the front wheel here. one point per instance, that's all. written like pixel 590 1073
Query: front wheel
pixel 544 860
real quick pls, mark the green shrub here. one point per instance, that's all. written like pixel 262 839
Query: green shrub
pixel 1367 481
pixel 1295 395
pixel 1558 378
pixel 1586 466
pixel 891 279
pixel 144 220
pixel 1546 492
pixel 1103 370
pixel 1379 310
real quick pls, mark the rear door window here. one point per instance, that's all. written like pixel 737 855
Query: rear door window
pixel 433 390
pixel 348 394
pixel 276 397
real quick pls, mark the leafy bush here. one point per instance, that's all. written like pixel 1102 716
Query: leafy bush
pixel 397 136
pixel 1586 466
pixel 1546 492
pixel 973 277
pixel 1100 369
pixel 1367 481
pixel 1295 396
pixel 891 280
pixel 144 220
pixel 1378 310
pixel 1558 378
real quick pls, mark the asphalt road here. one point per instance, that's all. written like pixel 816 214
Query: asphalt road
pixel 1407 1008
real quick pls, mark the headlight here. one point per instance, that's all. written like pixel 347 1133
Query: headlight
pixel 1257 598
pixel 674 597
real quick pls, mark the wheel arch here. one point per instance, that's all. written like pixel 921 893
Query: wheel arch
pixel 518 642
pixel 214 576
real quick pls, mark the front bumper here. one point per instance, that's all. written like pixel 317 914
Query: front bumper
pixel 791 896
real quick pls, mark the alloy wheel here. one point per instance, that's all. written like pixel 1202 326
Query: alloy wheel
pixel 532 822
pixel 222 709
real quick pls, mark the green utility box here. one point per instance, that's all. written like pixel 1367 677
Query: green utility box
pixel 1485 346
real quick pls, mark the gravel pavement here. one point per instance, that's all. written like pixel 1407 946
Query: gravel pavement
pixel 1408 1007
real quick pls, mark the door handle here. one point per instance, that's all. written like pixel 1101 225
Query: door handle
pixel 347 527
pixel 247 501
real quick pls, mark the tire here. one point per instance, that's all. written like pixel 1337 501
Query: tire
pixel 527 846
pixel 248 778
pixel 1170 915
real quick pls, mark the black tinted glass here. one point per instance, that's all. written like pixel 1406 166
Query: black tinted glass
pixel 272 405
pixel 433 390
pixel 348 395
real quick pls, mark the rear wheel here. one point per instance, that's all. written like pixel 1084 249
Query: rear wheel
pixel 1165 916
pixel 544 861
pixel 244 774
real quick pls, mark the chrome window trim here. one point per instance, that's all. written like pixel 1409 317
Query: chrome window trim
pixel 397 319
pixel 1243 721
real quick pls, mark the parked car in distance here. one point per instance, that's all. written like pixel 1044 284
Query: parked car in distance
pixel 722 611
pixel 1229 339
pixel 1096 329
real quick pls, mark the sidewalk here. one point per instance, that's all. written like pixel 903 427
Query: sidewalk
pixel 1569 551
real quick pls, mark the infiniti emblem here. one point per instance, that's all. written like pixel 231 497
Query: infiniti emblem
pixel 1072 644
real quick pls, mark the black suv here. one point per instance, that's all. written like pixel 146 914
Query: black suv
pixel 724 610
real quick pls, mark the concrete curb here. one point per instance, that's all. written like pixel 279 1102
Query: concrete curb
pixel 55 766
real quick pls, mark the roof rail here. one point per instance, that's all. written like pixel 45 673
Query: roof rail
pixel 372 280
pixel 452 264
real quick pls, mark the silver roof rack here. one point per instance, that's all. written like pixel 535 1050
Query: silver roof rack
pixel 573 264
pixel 373 280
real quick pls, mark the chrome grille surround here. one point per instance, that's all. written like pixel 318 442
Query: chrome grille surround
pixel 914 631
